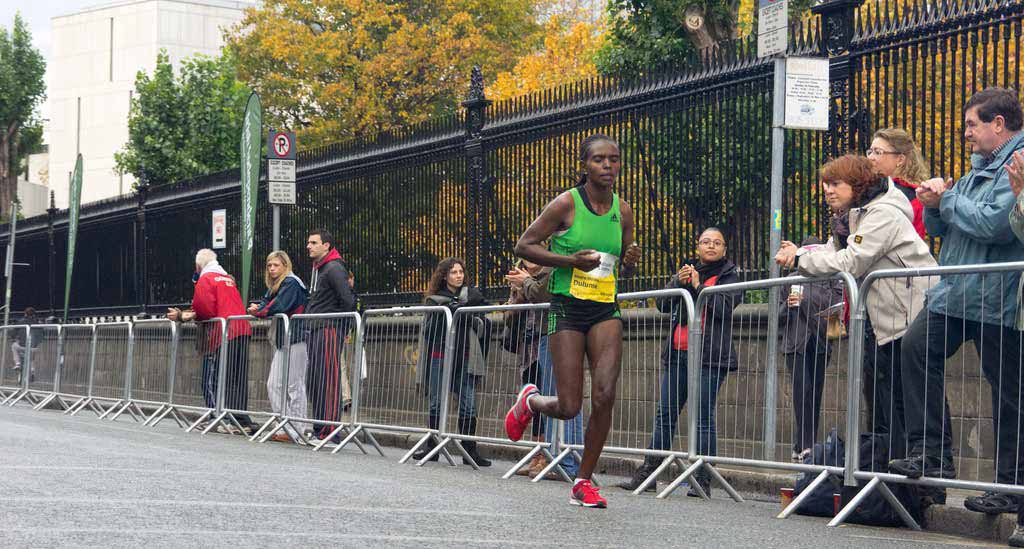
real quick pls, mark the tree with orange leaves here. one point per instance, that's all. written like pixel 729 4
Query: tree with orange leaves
pixel 338 69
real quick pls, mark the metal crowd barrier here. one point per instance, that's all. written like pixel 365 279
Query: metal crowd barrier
pixel 286 382
pixel 393 396
pixel 318 381
pixel 979 434
pixel 403 360
pixel 77 352
pixel 10 370
pixel 108 369
pixel 648 388
pixel 44 366
pixel 193 399
pixel 150 374
pixel 477 379
pixel 24 345
pixel 237 396
pixel 740 420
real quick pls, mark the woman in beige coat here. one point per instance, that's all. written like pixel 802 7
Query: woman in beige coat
pixel 880 235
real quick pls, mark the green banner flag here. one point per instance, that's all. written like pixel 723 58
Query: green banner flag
pixel 251 147
pixel 75 199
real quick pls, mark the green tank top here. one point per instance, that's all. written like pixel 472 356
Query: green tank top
pixel 602 233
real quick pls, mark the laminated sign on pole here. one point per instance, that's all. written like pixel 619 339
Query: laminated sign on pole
pixel 280 175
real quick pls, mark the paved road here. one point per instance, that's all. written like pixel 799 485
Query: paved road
pixel 78 481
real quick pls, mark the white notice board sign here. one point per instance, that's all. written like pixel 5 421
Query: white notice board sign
pixel 220 229
pixel 772 27
pixel 806 93
pixel 280 170
pixel 281 192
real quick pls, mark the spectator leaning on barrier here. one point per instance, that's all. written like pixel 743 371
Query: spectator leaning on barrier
pixel 718 355
pixel 973 219
pixel 216 296
pixel 285 294
pixel 803 332
pixel 329 293
pixel 448 287
pixel 878 234
pixel 35 337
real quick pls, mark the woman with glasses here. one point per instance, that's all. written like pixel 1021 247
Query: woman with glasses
pixel 894 154
pixel 879 235
pixel 718 356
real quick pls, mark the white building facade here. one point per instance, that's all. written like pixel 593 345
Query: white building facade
pixel 96 54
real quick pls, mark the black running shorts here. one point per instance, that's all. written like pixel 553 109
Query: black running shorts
pixel 578 315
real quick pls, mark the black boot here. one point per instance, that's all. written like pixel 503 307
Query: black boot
pixel 703 478
pixel 474 453
pixel 467 426
pixel 640 475
pixel 433 422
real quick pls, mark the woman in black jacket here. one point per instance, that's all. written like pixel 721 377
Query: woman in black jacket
pixel 448 287
pixel 718 356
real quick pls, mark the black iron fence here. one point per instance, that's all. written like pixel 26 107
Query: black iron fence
pixel 696 152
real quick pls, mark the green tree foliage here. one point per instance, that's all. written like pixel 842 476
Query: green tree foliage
pixel 187 125
pixel 644 35
pixel 21 90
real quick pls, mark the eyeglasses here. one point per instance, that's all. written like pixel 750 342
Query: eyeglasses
pixel 709 242
pixel 879 152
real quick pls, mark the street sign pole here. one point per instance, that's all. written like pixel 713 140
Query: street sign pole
pixel 9 264
pixel 277 227
pixel 773 40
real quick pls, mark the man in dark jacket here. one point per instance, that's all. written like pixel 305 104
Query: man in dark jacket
pixel 329 292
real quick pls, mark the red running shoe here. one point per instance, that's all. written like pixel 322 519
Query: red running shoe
pixel 518 417
pixel 586 494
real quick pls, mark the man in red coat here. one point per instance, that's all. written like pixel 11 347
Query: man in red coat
pixel 216 296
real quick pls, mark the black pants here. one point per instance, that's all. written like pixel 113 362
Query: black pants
pixel 236 390
pixel 807 371
pixel 930 340
pixel 883 373
pixel 323 373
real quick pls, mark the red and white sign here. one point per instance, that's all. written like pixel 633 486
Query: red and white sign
pixel 281 145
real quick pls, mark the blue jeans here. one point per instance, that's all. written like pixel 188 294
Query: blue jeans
pixel 210 369
pixel 574 426
pixel 464 386
pixel 673 398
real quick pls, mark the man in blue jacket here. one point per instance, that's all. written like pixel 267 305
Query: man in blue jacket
pixel 972 218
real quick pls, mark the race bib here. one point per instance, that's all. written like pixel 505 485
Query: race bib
pixel 598 284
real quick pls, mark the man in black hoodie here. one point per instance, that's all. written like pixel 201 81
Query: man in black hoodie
pixel 329 292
